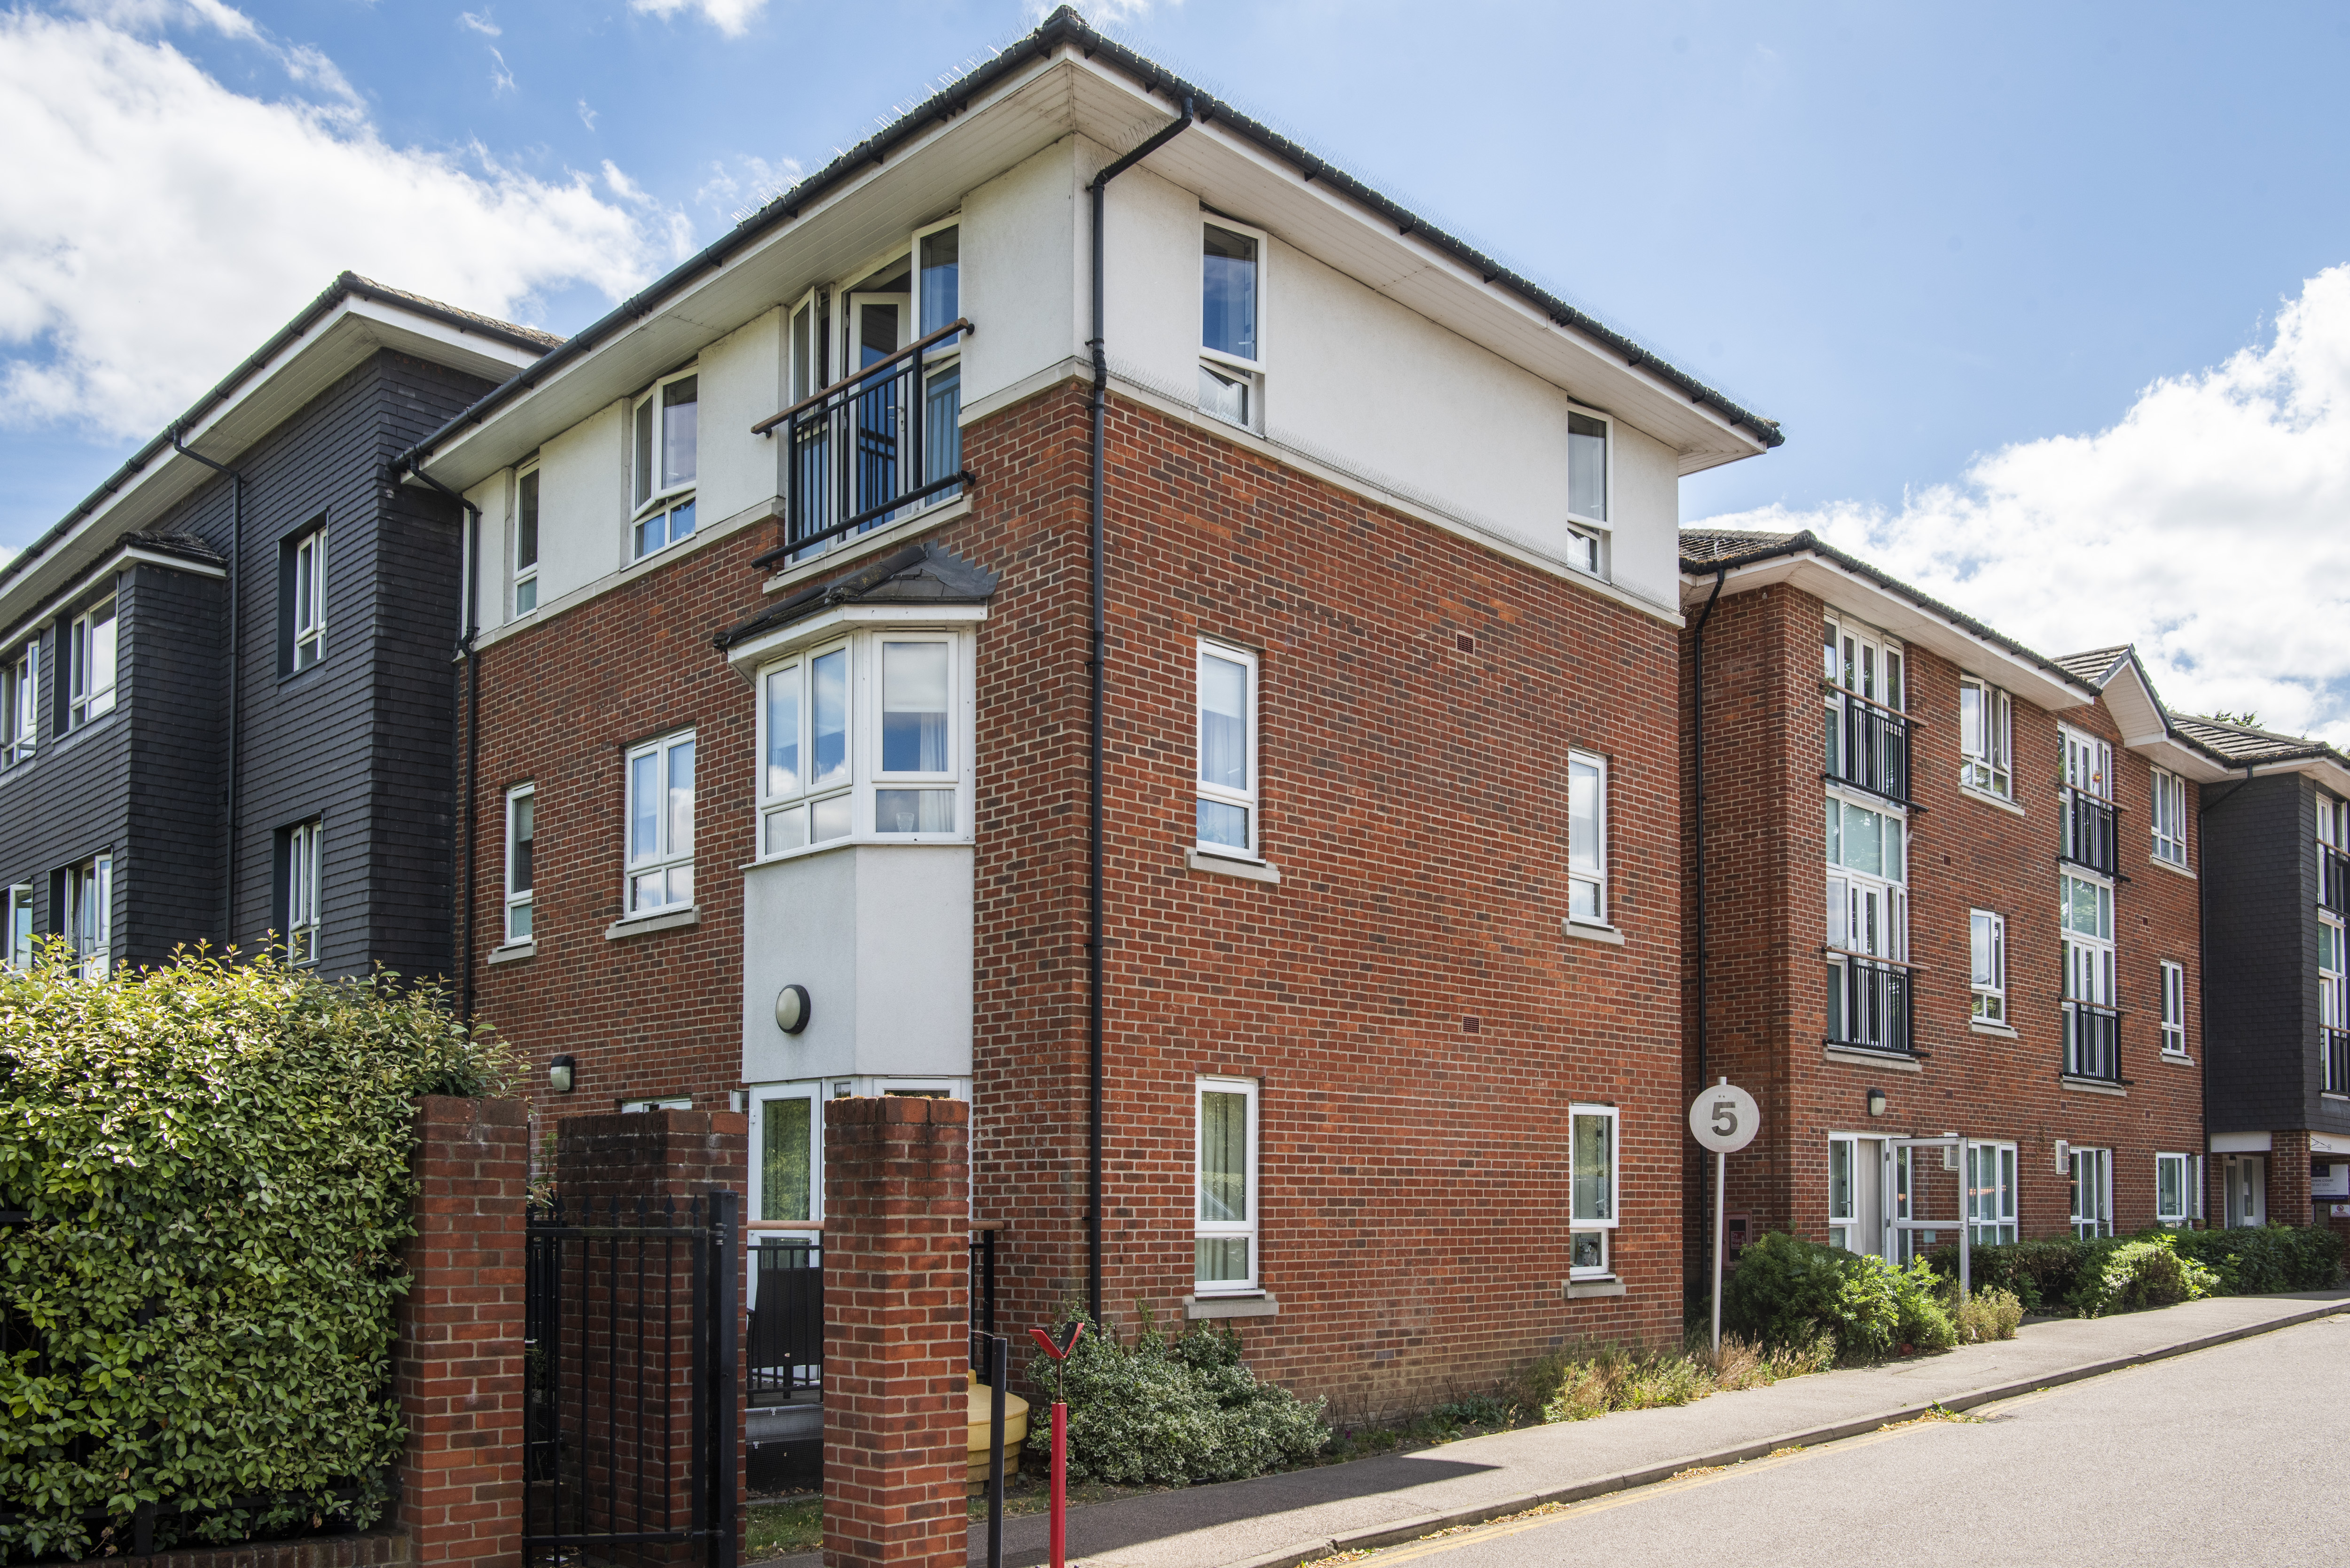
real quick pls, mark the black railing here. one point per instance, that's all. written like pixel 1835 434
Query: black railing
pixel 2337 1060
pixel 786 1338
pixel 1871 1006
pixel 2088 831
pixel 1868 747
pixel 983 1283
pixel 2092 1042
pixel 873 446
pixel 2334 879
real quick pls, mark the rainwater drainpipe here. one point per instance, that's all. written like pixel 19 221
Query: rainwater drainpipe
pixel 461 907
pixel 1094 832
pixel 235 670
pixel 1697 760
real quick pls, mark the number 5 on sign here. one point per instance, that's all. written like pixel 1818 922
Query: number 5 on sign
pixel 1724 1119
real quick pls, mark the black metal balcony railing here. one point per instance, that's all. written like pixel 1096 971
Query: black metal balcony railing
pixel 872 445
pixel 785 1349
pixel 2337 1060
pixel 1868 747
pixel 2088 831
pixel 2334 879
pixel 2092 1042
pixel 1870 1005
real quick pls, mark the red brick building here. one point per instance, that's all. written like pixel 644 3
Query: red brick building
pixel 1950 887
pixel 784 749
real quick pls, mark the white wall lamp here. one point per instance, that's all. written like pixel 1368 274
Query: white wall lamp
pixel 792 1009
pixel 560 1074
pixel 1875 1102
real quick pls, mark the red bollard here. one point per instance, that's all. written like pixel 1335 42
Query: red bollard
pixel 1059 1529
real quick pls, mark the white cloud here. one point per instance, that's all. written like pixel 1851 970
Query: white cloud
pixel 750 185
pixel 156 226
pixel 501 78
pixel 587 115
pixel 479 22
pixel 2207 527
pixel 732 18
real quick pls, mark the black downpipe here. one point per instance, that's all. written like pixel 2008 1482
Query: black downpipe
pixel 1697 762
pixel 1094 830
pixel 235 673
pixel 460 906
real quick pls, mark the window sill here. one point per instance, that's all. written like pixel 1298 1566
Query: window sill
pixel 1861 1056
pixel 2177 1058
pixel 1977 1026
pixel 2172 867
pixel 2093 1087
pixel 1578 1290
pixel 288 678
pixel 644 925
pixel 2330 1094
pixel 1584 931
pixel 1226 865
pixel 513 952
pixel 1984 796
pixel 1256 1304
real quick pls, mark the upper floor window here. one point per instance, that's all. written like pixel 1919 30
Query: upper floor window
pixel 1589 478
pixel 2174 1008
pixel 2088 763
pixel 302 600
pixel 1869 992
pixel 1224 1227
pixel 2169 815
pixel 660 825
pixel 1864 678
pixel 1227 809
pixel 1231 354
pixel 664 457
pixel 89 915
pixel 2085 803
pixel 867 736
pixel 1986 741
pixel 91 668
pixel 1593 1180
pixel 525 544
pixel 2332 822
pixel 1587 839
pixel 521 824
pixel 1988 939
pixel 298 895
pixel 20 724
pixel 20 925
pixel 937 302
pixel 2086 908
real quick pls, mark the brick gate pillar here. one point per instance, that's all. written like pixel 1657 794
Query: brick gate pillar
pixel 896 1283
pixel 458 1358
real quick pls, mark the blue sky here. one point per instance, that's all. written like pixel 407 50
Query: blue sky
pixel 1958 253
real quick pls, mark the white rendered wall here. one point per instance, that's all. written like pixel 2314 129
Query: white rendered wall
pixel 583 502
pixel 1021 272
pixel 740 381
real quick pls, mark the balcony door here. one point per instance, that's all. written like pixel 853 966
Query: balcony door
pixel 877 329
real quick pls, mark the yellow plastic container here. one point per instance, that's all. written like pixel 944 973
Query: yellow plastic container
pixel 1015 1431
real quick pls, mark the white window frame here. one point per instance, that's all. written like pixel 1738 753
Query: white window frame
pixel 1603 1226
pixel 2333 989
pixel 2088 763
pixel 529 510
pixel 99 626
pixel 1590 535
pixel 1248 1227
pixel 2168 816
pixel 2090 960
pixel 1847 886
pixel 2185 1166
pixel 667 856
pixel 1843 1227
pixel 2174 1007
pixel 1987 759
pixel 763 1096
pixel 1249 372
pixel 648 497
pixel 309 590
pixel 90 903
pixel 22 721
pixel 1593 876
pixel 1987 932
pixel 1250 800
pixel 303 842
pixel 22 940
pixel 947 781
pixel 1989 1196
pixel 2093 1173
pixel 521 908
pixel 2332 822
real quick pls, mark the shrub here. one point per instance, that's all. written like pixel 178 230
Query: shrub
pixel 213 1159
pixel 2040 1274
pixel 2126 1276
pixel 1988 1315
pixel 1153 1411
pixel 1790 1291
pixel 2277 1258
pixel 2067 1273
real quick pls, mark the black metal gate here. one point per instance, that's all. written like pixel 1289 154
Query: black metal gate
pixel 629 1340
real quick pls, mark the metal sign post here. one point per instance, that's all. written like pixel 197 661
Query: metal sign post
pixel 1057 1529
pixel 1724 1120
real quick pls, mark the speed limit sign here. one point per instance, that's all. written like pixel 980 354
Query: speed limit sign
pixel 1724 1119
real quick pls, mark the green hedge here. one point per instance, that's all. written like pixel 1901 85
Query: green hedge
pixel 1789 1291
pixel 211 1163
pixel 2068 1274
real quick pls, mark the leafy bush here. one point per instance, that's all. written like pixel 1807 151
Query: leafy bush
pixel 1988 1315
pixel 2069 1274
pixel 2276 1258
pixel 1153 1411
pixel 1790 1291
pixel 2126 1276
pixel 213 1160
pixel 2041 1273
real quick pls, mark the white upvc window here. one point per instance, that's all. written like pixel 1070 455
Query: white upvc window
pixel 1590 487
pixel 89 915
pixel 916 773
pixel 301 893
pixel 1986 738
pixel 1988 941
pixel 1868 924
pixel 2093 1192
pixel 659 875
pixel 787 1153
pixel 20 725
pixel 2169 818
pixel 804 742
pixel 1847 1172
pixel 2332 822
pixel 1225 1224
pixel 1587 839
pixel 91 665
pixel 664 451
pixel 2085 918
pixel 2088 763
pixel 2174 1008
pixel 307 587
pixel 1226 815
pixel 1231 327
pixel 938 304
pixel 2172 1183
pixel 1862 669
pixel 526 543
pixel 2333 995
pixel 1594 1187
pixel 1990 1192
pixel 20 925
pixel 522 825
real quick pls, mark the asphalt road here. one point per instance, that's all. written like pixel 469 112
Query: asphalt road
pixel 2230 1456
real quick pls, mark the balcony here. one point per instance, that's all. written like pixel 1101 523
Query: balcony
pixel 2093 1041
pixel 1870 1005
pixel 1868 747
pixel 2337 1060
pixel 2088 831
pixel 2334 879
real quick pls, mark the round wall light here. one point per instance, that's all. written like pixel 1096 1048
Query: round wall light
pixel 792 1009
pixel 1875 1102
pixel 560 1074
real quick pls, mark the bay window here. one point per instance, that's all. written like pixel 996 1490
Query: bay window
pixel 664 457
pixel 660 872
pixel 1587 839
pixel 917 687
pixel 1988 934
pixel 1225 1224
pixel 90 664
pixel 1226 808
pixel 1986 739
pixel 1594 1187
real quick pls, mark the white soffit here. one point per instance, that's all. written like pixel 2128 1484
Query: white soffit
pixel 2239 1143
pixel 2033 682
pixel 2146 729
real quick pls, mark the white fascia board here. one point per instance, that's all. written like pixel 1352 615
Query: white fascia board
pixel 2328 1143
pixel 2240 1143
pixel 745 657
pixel 2166 752
pixel 2324 770
pixel 1904 619
pixel 113 563
pixel 2146 728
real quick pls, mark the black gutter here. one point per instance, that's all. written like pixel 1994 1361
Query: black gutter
pixel 1697 748
pixel 461 908
pixel 1094 1098
pixel 1066 26
pixel 347 284
pixel 235 668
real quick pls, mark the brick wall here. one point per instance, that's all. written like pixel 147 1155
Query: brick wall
pixel 458 1366
pixel 365 1549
